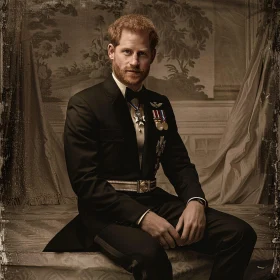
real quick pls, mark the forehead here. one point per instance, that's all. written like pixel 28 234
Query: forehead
pixel 134 39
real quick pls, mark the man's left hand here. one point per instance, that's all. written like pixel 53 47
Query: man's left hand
pixel 193 222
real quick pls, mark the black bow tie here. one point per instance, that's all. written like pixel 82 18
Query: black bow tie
pixel 130 94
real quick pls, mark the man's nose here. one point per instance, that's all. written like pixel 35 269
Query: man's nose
pixel 134 60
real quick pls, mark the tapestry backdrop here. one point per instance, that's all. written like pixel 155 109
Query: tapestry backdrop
pixel 200 64
pixel 202 49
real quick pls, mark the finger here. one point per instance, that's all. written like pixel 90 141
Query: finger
pixel 179 224
pixel 176 236
pixel 200 232
pixel 163 243
pixel 192 234
pixel 197 235
pixel 186 232
pixel 170 241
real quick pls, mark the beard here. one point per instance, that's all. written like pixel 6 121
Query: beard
pixel 132 76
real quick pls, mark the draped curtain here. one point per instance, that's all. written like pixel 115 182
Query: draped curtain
pixel 238 172
pixel 34 169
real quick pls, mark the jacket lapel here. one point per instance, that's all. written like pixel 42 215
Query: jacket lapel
pixel 123 116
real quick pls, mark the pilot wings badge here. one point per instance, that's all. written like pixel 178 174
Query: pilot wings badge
pixel 155 104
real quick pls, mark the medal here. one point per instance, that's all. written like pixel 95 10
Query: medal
pixel 163 117
pixel 160 146
pixel 139 116
pixel 165 125
pixel 157 119
pixel 159 150
pixel 159 125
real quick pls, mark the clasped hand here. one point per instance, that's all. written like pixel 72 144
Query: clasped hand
pixel 191 223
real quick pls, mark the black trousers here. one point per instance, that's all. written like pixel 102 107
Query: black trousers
pixel 229 239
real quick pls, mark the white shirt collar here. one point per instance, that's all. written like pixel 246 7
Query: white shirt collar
pixel 121 86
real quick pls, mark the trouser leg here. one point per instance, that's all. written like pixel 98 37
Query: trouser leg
pixel 136 251
pixel 231 240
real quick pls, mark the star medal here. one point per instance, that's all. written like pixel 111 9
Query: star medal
pixel 160 146
pixel 139 116
pixel 163 117
pixel 157 119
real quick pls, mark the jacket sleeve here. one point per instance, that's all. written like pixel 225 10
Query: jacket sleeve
pixel 81 146
pixel 176 163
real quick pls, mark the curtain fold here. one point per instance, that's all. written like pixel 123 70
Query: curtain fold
pixel 45 173
pixel 34 169
pixel 237 174
pixel 12 116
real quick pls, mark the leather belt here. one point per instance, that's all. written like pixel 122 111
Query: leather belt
pixel 139 186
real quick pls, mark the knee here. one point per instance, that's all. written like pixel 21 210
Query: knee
pixel 244 233
pixel 153 261
pixel 154 252
pixel 247 232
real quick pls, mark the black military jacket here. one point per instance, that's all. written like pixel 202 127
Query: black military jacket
pixel 100 144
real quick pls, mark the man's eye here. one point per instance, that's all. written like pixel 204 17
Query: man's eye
pixel 142 54
pixel 126 51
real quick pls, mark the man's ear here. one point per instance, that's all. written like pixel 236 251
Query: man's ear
pixel 111 51
pixel 154 52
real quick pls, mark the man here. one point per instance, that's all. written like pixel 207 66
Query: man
pixel 116 134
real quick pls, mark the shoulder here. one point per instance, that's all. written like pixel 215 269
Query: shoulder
pixel 88 95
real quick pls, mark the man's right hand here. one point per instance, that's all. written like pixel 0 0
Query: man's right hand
pixel 161 229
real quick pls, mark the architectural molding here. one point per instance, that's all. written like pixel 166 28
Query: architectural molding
pixel 253 18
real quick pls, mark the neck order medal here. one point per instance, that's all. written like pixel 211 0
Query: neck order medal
pixel 139 115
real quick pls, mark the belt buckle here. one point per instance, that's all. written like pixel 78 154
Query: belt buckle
pixel 143 186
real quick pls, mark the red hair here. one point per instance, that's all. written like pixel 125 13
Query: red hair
pixel 133 22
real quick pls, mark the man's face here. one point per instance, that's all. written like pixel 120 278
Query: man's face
pixel 131 59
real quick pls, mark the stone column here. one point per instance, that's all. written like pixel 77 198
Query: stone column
pixel 230 50
pixel 253 17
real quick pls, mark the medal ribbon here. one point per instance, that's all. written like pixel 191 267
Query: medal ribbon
pixel 156 115
pixel 133 106
pixel 163 117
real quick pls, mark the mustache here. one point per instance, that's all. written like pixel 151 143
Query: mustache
pixel 134 70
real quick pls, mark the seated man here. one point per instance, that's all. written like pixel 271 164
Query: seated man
pixel 116 135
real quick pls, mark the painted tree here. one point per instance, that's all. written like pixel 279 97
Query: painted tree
pixel 97 54
pixel 183 31
pixel 47 39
